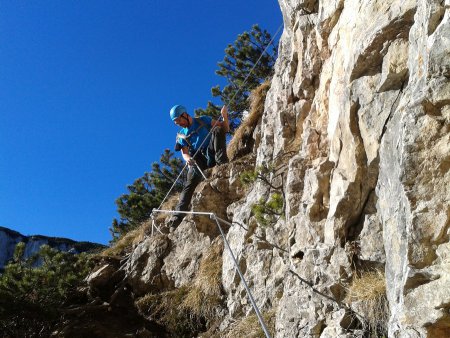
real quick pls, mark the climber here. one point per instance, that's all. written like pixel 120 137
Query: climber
pixel 195 134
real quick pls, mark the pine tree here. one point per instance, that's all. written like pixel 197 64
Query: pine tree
pixel 146 193
pixel 243 72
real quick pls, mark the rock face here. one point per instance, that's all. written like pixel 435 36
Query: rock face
pixel 361 96
pixel 356 131
pixel 9 239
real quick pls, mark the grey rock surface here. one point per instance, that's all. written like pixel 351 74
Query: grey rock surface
pixel 356 127
pixel 360 101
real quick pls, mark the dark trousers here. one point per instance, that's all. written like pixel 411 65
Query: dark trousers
pixel 216 153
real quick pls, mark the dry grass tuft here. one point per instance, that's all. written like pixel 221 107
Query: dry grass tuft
pixel 204 298
pixel 126 242
pixel 190 308
pixel 242 141
pixel 250 327
pixel 165 308
pixel 367 294
pixel 143 230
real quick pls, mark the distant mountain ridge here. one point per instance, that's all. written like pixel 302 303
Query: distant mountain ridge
pixel 9 239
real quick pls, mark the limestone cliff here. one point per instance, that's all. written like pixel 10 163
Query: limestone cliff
pixel 9 239
pixel 355 133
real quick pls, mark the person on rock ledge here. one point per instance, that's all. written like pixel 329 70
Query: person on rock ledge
pixel 194 135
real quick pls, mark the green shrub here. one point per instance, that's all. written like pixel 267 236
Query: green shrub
pixel 248 177
pixel 32 290
pixel 268 212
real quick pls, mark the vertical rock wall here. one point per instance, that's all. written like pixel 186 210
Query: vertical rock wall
pixel 355 137
pixel 358 116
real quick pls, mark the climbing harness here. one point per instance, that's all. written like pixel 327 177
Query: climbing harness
pixel 188 136
pixel 212 215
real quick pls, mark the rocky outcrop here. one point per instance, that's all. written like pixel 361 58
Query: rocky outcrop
pixel 355 138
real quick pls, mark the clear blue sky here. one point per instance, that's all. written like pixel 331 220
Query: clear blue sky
pixel 85 91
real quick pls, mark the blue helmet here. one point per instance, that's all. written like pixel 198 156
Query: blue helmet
pixel 176 111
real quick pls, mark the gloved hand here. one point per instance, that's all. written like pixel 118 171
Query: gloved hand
pixel 191 162
pixel 224 113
